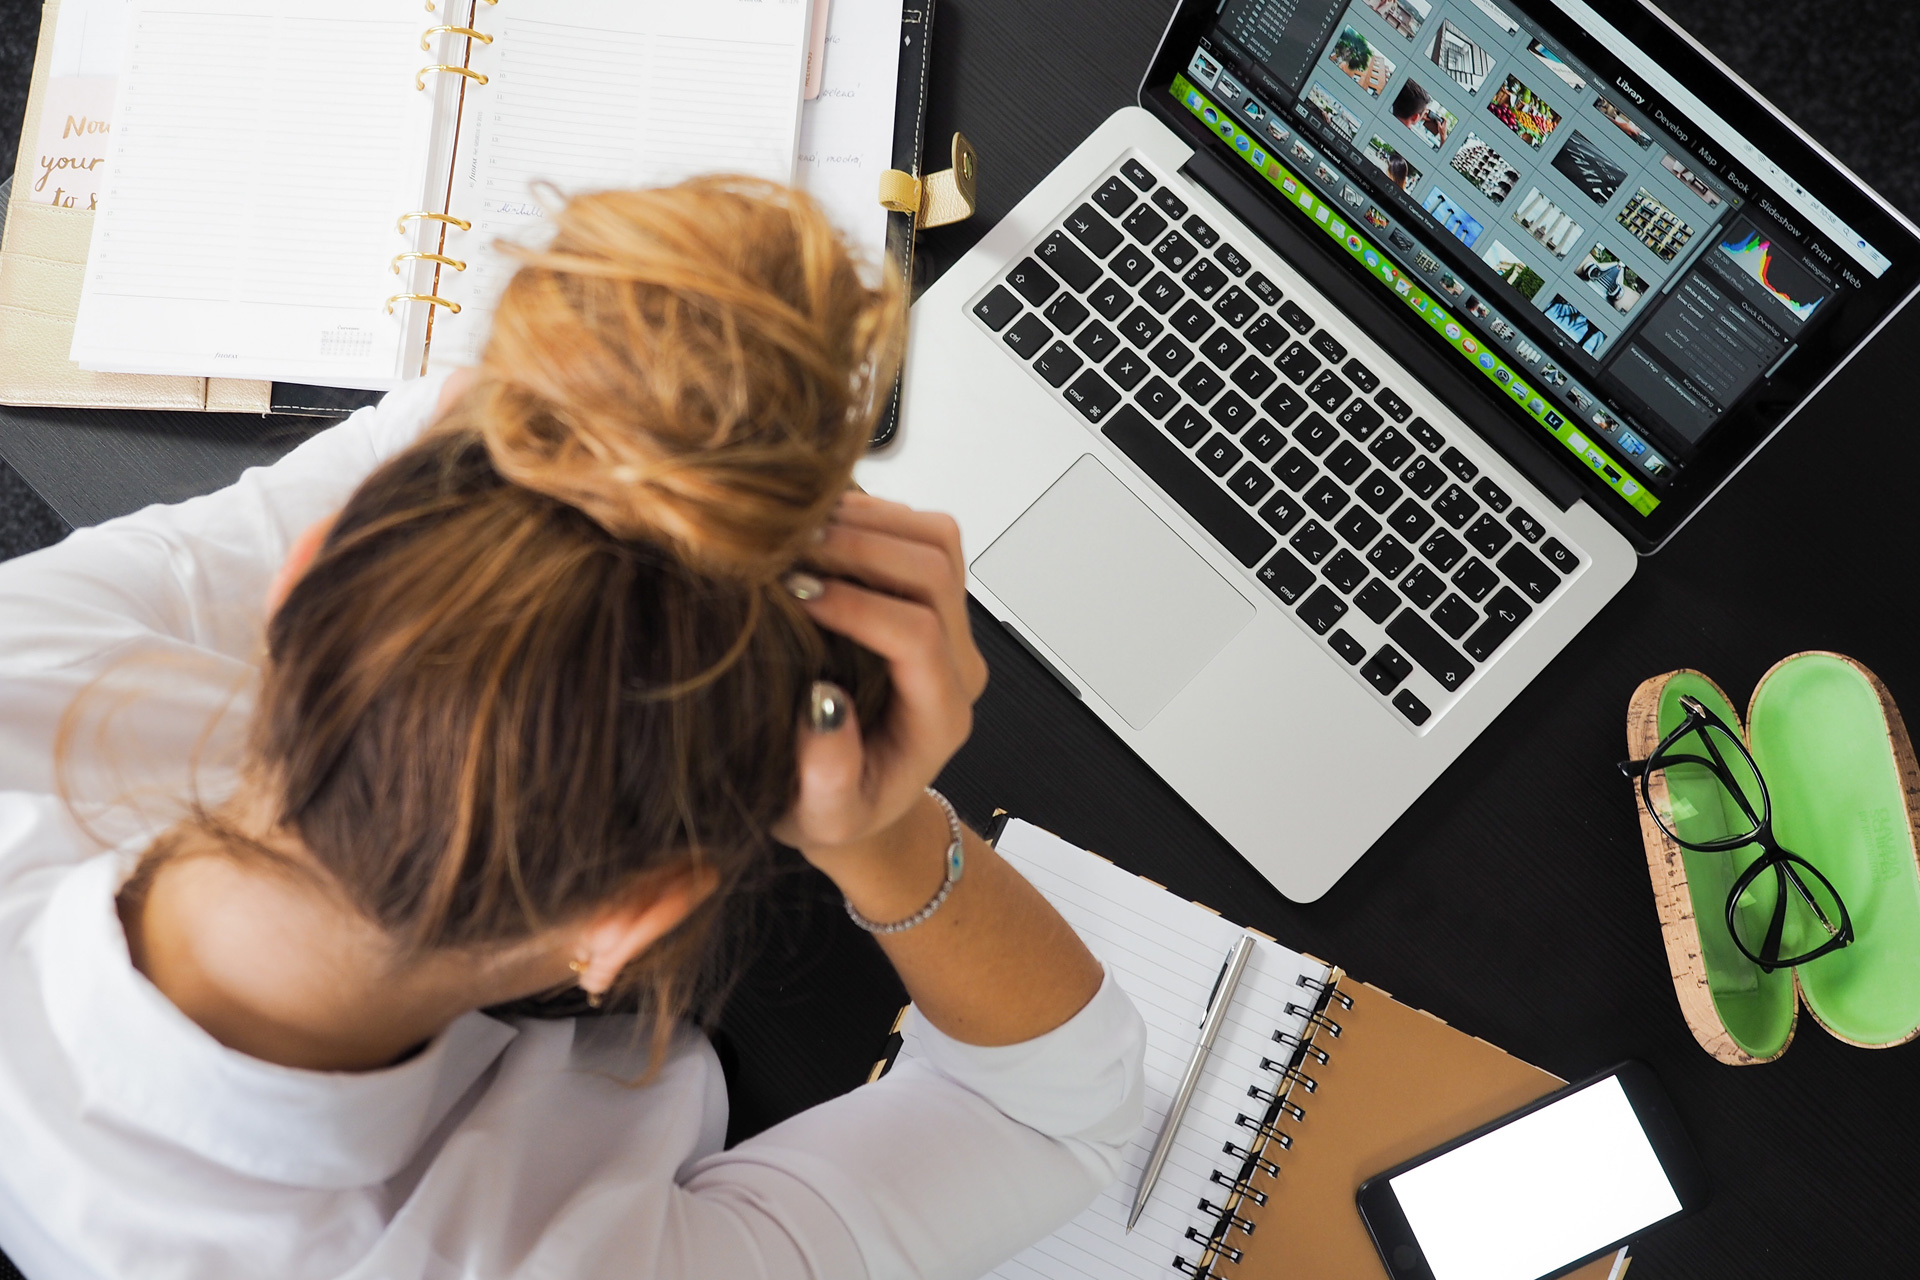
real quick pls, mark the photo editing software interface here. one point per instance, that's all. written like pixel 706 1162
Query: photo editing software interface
pixel 1587 243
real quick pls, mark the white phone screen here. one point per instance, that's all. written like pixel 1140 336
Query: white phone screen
pixel 1536 1194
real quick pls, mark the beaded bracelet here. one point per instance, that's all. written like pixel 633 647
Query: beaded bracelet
pixel 956 863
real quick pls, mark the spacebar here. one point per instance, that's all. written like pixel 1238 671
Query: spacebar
pixel 1168 466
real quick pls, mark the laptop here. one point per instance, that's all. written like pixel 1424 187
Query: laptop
pixel 1312 405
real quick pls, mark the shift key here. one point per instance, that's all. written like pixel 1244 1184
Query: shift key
pixel 1430 649
pixel 1196 492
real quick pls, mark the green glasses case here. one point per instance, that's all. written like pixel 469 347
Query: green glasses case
pixel 1846 794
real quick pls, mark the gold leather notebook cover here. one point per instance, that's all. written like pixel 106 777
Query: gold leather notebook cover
pixel 1396 1082
pixel 42 258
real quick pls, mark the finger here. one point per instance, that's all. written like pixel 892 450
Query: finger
pixel 899 566
pixel 861 511
pixel 831 764
pixel 932 706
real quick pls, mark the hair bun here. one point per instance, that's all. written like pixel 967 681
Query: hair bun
pixel 694 365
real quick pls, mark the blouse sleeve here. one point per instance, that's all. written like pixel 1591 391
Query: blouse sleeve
pixel 945 1168
pixel 172 598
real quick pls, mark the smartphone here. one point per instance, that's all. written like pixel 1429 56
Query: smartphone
pixel 1542 1191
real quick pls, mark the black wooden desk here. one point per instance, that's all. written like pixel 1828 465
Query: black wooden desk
pixel 1513 899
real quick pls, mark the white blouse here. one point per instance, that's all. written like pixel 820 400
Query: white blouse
pixel 132 1143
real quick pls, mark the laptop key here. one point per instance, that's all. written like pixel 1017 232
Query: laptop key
pixel 1281 511
pixel 1232 412
pixel 1475 579
pixel 1322 609
pixel 1219 454
pixel 1097 341
pixel 1487 536
pixel 1144 225
pixel 1285 405
pixel 1222 349
pixel 1297 320
pixel 1069 262
pixel 1285 576
pixel 1504 616
pixel 1377 601
pixel 1139 175
pixel 1066 313
pixel 1131 265
pixel 1387 669
pixel 1313 542
pixel 1379 492
pixel 1358 528
pixel 1170 355
pixel 1390 558
pixel 1360 419
pixel 1161 293
pixel 1530 573
pixel 1264 441
pixel 1093 231
pixel 1033 281
pixel 1188 425
pixel 1115 196
pixel 1029 337
pixel 1430 649
pixel 1192 321
pixel 998 307
pixel 1525 525
pixel 1092 395
pixel 1455 616
pixel 1410 520
pixel 1295 469
pixel 1269 291
pixel 1205 279
pixel 1315 434
pixel 1492 494
pixel 1411 707
pixel 1345 571
pixel 1423 478
pixel 1559 555
pixel 1327 498
pixel 1058 363
pixel 1141 327
pixel 1171 204
pixel 1454 506
pixel 1191 489
pixel 1443 550
pixel 1460 464
pixel 1329 346
pixel 1392 405
pixel 1347 647
pixel 1266 335
pixel 1253 376
pixel 1202 383
pixel 1347 462
pixel 1201 232
pixel 1423 586
pixel 1392 449
pixel 1232 259
pixel 1236 306
pixel 1109 299
pixel 1127 369
pixel 1174 250
pixel 1361 376
pixel 1430 440
pixel 1156 399
pixel 1298 363
pixel 1250 483
pixel 1328 391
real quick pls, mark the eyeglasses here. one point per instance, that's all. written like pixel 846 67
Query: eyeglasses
pixel 1789 918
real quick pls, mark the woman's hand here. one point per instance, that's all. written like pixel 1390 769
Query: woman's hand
pixel 897 585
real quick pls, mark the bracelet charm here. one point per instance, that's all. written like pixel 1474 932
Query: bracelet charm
pixel 956 861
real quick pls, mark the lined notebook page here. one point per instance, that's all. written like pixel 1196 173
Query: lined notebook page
pixel 1167 954
pixel 263 150
pixel 592 94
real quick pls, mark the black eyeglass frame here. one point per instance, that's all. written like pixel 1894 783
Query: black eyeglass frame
pixel 1785 864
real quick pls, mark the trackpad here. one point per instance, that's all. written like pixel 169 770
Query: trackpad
pixel 1134 611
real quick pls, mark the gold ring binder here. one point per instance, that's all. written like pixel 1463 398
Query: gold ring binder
pixel 426 37
pixel 420 76
pixel 432 299
pixel 449 219
pixel 444 261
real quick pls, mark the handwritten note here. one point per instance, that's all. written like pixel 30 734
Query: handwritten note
pixel 76 120
pixel 846 134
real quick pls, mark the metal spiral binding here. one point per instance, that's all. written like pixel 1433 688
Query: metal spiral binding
pixel 440 260
pixel 1266 1130
pixel 1288 1072
pixel 1242 1187
pixel 1226 1215
pixel 1306 1048
pixel 1251 1159
pixel 1220 1247
pixel 1325 990
pixel 1315 1018
pixel 1279 1100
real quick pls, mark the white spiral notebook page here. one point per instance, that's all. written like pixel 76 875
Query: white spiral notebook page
pixel 592 94
pixel 1167 954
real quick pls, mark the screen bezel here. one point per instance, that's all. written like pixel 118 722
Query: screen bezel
pixel 1751 424
pixel 1387 1223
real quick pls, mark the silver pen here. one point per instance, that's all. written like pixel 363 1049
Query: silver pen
pixel 1209 1030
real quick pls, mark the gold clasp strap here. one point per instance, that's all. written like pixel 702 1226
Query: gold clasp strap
pixel 941 198
pixel 429 298
pixel 399 258
pixel 449 219
pixel 426 37
pixel 420 76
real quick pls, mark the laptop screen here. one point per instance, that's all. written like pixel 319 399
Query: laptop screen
pixel 1640 277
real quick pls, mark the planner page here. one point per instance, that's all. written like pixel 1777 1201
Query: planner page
pixel 1167 953
pixel 846 134
pixel 262 153
pixel 587 95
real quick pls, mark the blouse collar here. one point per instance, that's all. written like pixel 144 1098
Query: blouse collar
pixel 142 1064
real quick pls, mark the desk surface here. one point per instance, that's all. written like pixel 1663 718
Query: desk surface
pixel 1513 899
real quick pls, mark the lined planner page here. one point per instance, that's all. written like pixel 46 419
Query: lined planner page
pixel 1167 954
pixel 263 150
pixel 586 95
pixel 846 134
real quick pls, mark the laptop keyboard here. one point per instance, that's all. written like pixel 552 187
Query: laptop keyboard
pixel 1383 539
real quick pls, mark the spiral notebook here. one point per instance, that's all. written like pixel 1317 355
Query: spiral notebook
pixel 1316 1083
pixel 376 148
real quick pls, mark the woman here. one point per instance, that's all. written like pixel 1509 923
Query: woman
pixel 539 685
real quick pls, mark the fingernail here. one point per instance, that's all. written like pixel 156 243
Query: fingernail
pixel 804 586
pixel 827 707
